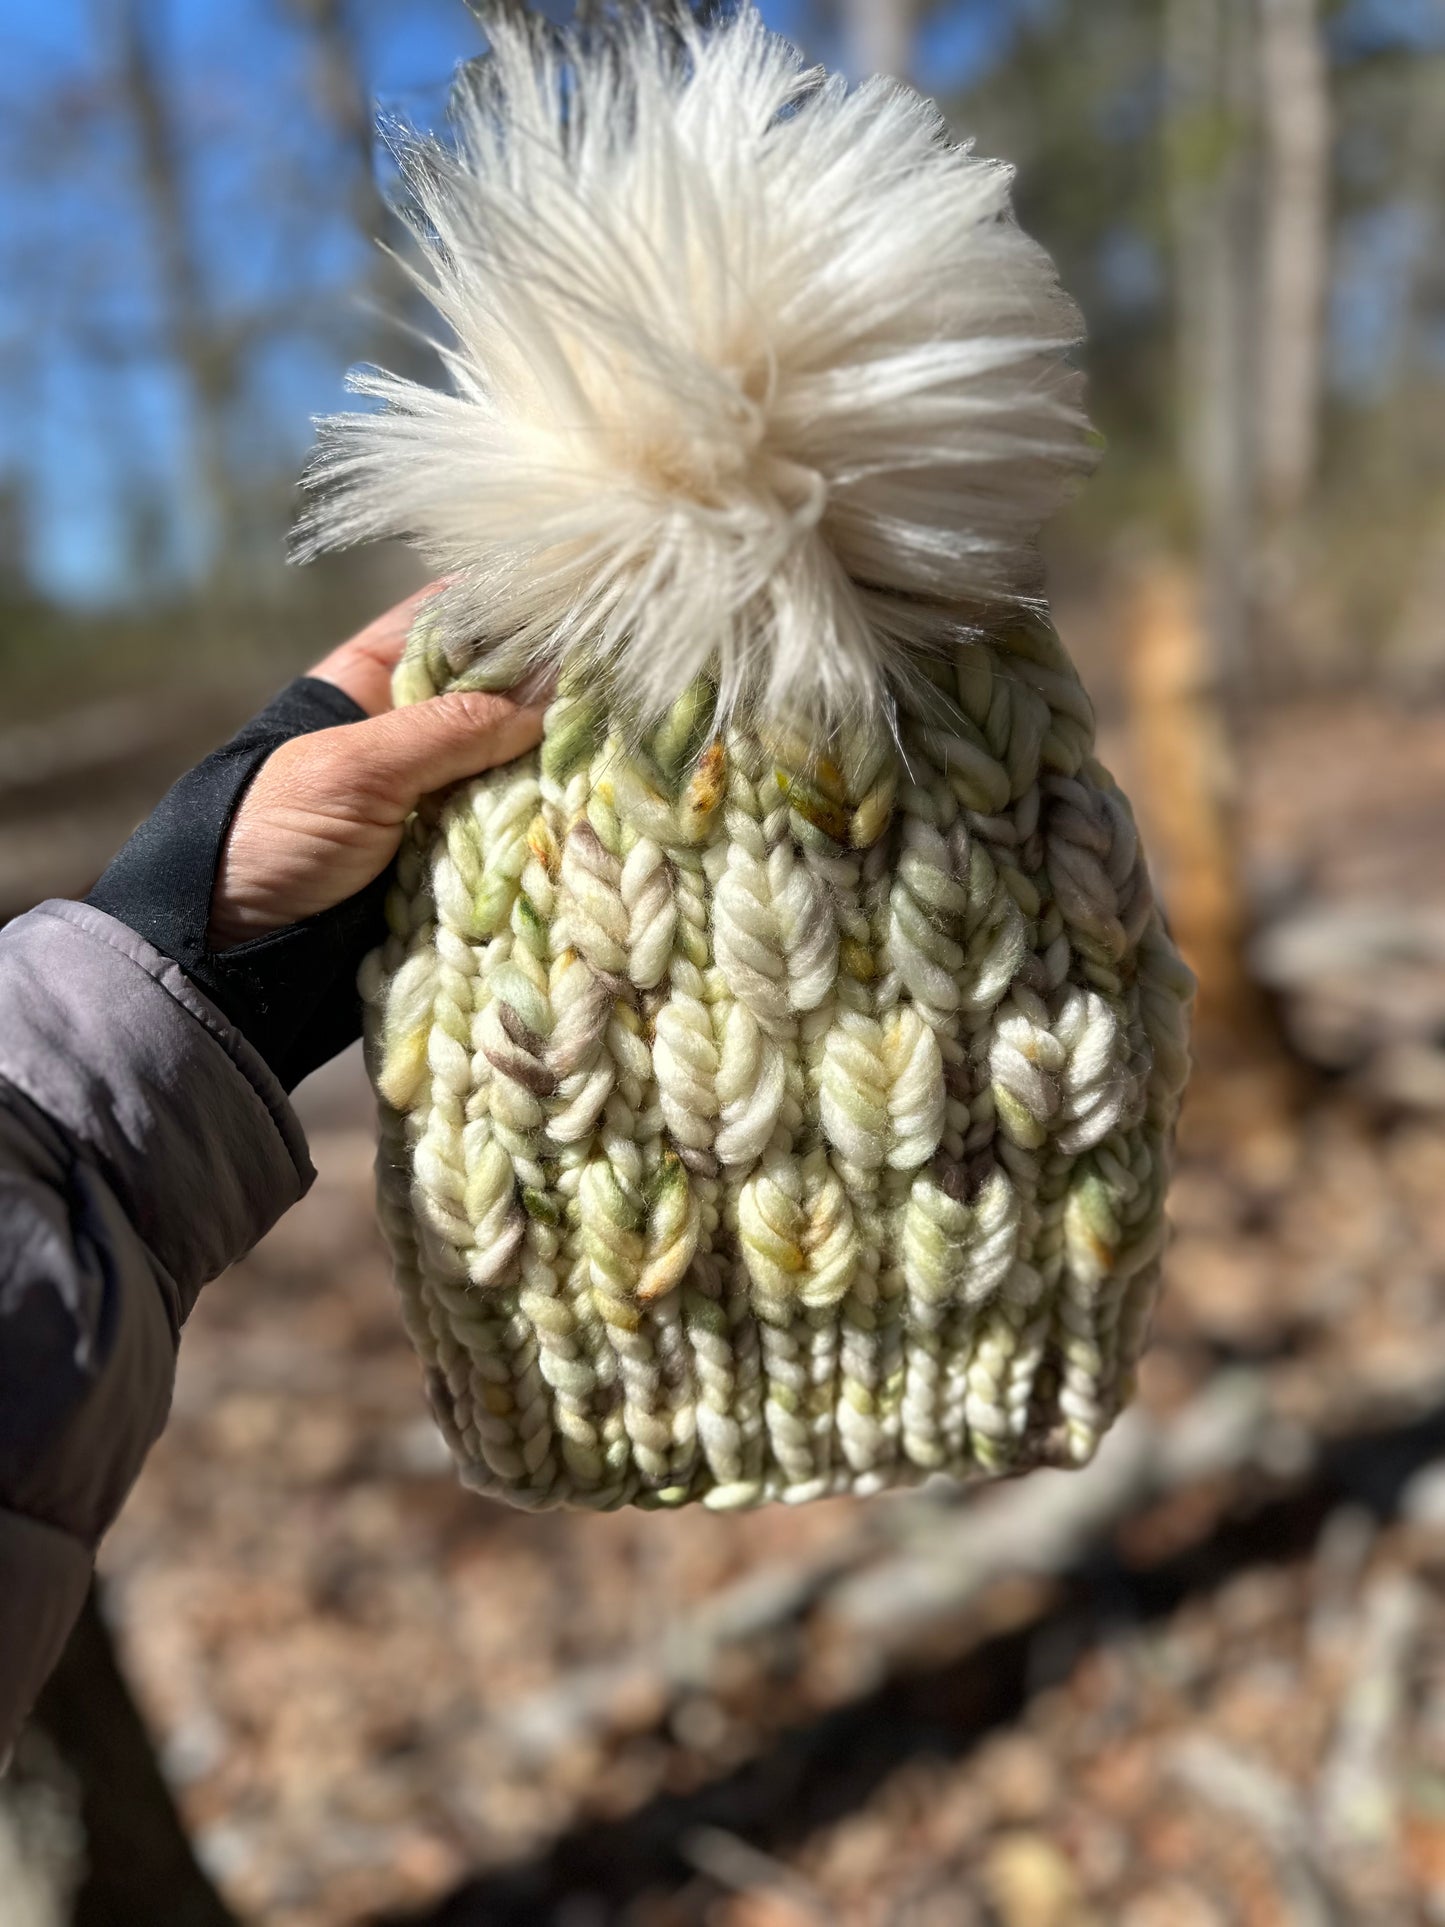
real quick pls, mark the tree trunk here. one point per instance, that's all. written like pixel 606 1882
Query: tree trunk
pixel 139 1867
pixel 878 37
pixel 196 344
pixel 1191 670
pixel 1294 269
pixel 1295 105
pixel 1210 62
pixel 343 102
pixel 1187 785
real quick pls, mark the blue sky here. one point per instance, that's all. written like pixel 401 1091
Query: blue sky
pixel 96 425
pixel 99 438
pixel 80 251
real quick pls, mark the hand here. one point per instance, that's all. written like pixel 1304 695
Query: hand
pixel 325 812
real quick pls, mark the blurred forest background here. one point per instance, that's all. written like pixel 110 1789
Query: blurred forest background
pixel 1202 1683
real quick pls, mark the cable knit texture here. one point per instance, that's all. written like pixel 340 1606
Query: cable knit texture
pixel 778 1069
pixel 779 1120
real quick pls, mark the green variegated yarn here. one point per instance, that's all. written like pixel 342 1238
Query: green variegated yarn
pixel 769 1113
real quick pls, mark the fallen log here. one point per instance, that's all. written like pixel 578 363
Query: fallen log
pixel 916 1562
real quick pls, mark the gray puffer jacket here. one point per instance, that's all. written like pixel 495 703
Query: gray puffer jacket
pixel 144 1146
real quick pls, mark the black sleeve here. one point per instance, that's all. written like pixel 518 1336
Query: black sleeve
pixel 291 993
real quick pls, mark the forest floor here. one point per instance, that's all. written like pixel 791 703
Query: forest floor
pixel 1201 1683
pixel 1228 1705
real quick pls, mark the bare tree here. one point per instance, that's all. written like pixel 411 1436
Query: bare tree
pixel 1210 70
pixel 878 36
pixel 208 357
pixel 1190 653
pixel 1295 108
pixel 343 101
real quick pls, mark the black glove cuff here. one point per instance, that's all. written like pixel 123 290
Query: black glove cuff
pixel 291 993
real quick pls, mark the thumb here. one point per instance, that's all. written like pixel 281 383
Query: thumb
pixel 409 752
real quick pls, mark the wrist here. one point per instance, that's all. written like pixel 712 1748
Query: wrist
pixel 235 922
pixel 286 985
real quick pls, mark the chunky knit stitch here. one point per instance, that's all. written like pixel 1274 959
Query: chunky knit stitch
pixel 767 1123
pixel 777 1070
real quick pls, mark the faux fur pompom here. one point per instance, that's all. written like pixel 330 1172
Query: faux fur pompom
pixel 752 376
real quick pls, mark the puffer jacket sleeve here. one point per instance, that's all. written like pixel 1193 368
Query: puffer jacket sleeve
pixel 144 1146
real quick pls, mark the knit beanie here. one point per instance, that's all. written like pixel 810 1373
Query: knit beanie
pixel 777 1069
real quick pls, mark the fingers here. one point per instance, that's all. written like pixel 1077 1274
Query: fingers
pixel 409 752
pixel 362 667
pixel 325 812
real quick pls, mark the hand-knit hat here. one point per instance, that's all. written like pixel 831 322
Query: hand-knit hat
pixel 778 1069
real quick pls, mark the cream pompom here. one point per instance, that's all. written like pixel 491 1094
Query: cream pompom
pixel 753 376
